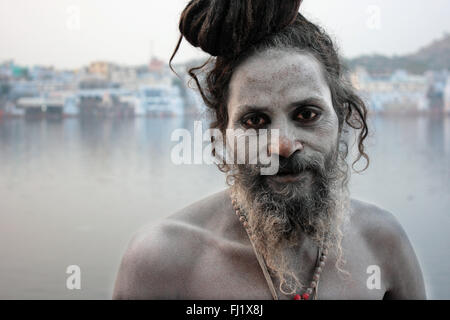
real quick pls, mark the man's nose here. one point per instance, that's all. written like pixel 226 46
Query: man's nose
pixel 286 146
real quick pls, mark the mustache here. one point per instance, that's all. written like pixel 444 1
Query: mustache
pixel 298 163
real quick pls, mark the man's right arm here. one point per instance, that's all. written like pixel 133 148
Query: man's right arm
pixel 151 267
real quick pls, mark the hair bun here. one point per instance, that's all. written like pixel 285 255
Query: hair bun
pixel 226 27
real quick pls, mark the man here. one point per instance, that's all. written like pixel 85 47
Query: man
pixel 293 235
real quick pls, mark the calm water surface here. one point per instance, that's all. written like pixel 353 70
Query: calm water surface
pixel 73 191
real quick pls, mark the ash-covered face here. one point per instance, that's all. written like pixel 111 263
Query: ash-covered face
pixel 287 90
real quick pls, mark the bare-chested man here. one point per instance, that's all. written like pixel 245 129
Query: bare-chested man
pixel 296 234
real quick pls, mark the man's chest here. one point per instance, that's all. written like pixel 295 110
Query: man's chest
pixel 224 274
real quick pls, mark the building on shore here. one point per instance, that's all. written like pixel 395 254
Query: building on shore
pixel 59 104
pixel 447 96
pixel 399 92
pixel 100 89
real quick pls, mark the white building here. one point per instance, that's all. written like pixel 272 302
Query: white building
pixel 447 96
pixel 160 100
pixel 399 92
pixel 62 103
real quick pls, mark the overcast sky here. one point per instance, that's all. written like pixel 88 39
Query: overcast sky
pixel 72 33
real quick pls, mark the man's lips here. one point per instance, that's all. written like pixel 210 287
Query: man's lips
pixel 286 177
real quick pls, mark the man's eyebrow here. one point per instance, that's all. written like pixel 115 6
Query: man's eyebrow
pixel 316 101
pixel 245 108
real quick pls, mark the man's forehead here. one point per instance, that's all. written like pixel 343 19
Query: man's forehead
pixel 276 72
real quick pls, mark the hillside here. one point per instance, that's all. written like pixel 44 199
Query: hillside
pixel 435 56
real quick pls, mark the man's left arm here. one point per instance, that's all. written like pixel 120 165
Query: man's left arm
pixel 406 279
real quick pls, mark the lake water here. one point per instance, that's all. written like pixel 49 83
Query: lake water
pixel 73 191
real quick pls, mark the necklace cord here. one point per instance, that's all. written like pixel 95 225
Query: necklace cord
pixel 265 271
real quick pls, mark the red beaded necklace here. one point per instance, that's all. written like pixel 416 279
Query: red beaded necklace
pixel 320 263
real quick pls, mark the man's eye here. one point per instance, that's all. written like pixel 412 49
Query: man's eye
pixel 307 115
pixel 255 121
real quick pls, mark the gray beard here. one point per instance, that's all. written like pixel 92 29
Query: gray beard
pixel 278 215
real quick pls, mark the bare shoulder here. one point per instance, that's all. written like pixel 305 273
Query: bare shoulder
pixel 375 223
pixel 160 256
pixel 386 238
